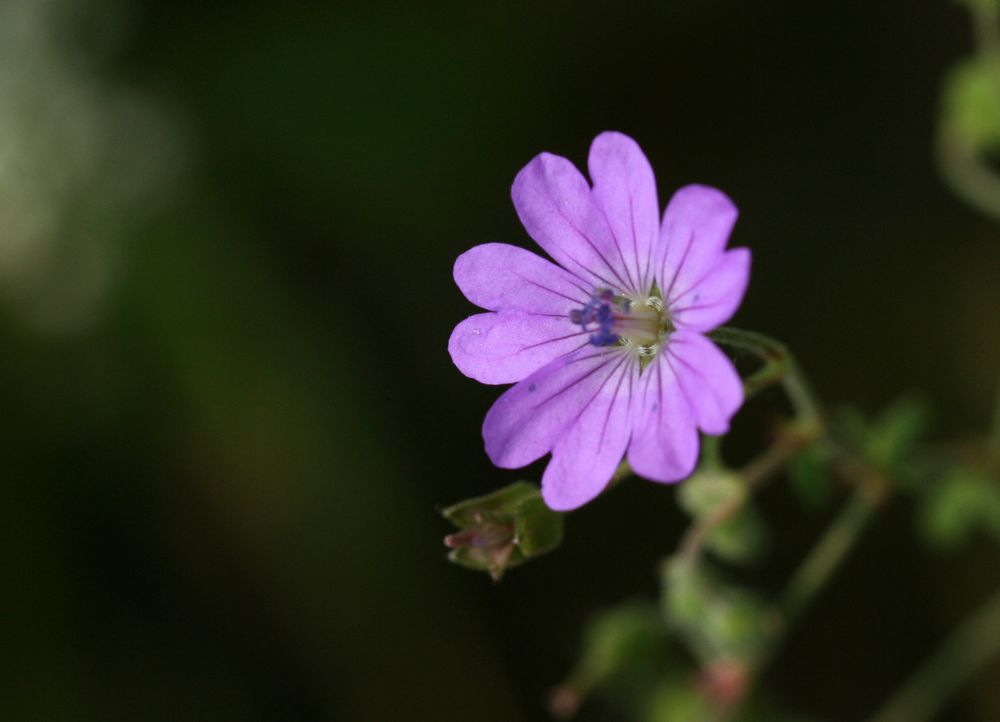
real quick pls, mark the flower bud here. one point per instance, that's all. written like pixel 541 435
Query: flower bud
pixel 502 529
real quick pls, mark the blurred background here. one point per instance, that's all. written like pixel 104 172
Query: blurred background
pixel 229 416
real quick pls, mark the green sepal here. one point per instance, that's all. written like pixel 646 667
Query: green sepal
pixel 503 529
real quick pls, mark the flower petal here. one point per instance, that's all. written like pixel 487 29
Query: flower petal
pixel 585 458
pixel 501 277
pixel 713 299
pixel 695 230
pixel 501 348
pixel 530 418
pixel 553 201
pixel 708 380
pixel 664 443
pixel 625 191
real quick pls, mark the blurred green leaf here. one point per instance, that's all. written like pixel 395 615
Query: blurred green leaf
pixel 502 529
pixel 958 506
pixel 896 432
pixel 678 701
pixel 739 539
pixel 890 440
pixel 809 475
pixel 625 654
pixel 717 619
pixel 707 489
pixel 971 105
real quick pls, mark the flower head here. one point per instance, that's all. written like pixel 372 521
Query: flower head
pixel 607 348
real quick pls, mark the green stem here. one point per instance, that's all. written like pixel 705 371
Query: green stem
pixel 962 654
pixel 828 554
pixel 779 367
pixel 994 440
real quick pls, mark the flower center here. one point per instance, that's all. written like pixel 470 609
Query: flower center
pixel 611 319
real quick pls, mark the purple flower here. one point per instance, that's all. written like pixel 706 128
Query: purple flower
pixel 608 347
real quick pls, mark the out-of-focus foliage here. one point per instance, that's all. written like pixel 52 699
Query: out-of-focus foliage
pixel 959 505
pixel 79 153
pixel 741 538
pixel 226 235
pixel 972 103
pixel 717 619
pixel 809 473
pixel 889 440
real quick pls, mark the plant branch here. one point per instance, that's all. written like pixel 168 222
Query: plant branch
pixel 962 654
pixel 829 553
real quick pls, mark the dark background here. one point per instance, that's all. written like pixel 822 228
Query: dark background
pixel 221 482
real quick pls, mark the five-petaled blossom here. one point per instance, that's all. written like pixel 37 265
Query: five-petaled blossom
pixel 608 347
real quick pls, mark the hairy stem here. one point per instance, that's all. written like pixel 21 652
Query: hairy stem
pixel 828 554
pixel 779 367
pixel 962 654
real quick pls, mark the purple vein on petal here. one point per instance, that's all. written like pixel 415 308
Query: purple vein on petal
pixel 555 292
pixel 704 277
pixel 695 371
pixel 614 400
pixel 677 377
pixel 639 272
pixel 561 338
pixel 680 266
pixel 580 379
pixel 597 393
pixel 630 286
pixel 623 285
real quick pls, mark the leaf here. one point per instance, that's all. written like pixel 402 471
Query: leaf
pixel 808 472
pixel 958 506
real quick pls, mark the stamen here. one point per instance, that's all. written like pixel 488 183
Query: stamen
pixel 612 319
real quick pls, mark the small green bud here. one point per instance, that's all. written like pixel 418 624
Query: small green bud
pixel 503 529
pixel 709 488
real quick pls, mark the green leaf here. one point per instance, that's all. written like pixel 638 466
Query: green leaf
pixel 625 653
pixel 890 440
pixel 896 432
pixel 971 106
pixel 808 472
pixel 717 619
pixel 958 506
pixel 503 529
pixel 679 701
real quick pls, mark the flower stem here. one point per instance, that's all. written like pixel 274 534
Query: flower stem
pixel 828 554
pixel 753 475
pixel 779 367
pixel 967 649
pixel 994 439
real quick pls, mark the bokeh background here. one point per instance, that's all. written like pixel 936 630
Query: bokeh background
pixel 229 417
